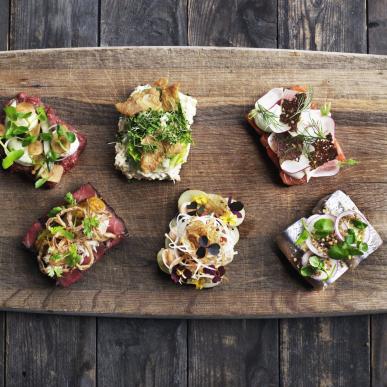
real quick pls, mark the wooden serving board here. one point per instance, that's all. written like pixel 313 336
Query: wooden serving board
pixel 83 84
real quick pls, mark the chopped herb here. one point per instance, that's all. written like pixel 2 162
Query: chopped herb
pixel 70 136
pixel 303 236
pixel 70 199
pixel 42 116
pixel 325 109
pixel 46 136
pixel 89 223
pixel 54 271
pixel 12 157
pixel 73 258
pixel 61 231
pixel 349 163
pixel 359 224
pixel 56 256
pixel 51 156
pixel 54 211
pixel 29 140
pixel 40 182
pixel 155 126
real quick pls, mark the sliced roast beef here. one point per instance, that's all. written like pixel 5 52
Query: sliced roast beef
pixel 116 226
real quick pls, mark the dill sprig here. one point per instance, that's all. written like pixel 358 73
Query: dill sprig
pixel 304 101
pixel 269 118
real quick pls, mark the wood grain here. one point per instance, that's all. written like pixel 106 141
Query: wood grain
pixel 147 23
pixel 226 83
pixel 4 24
pixel 142 352
pixel 377 26
pixel 328 25
pixel 232 23
pixel 233 353
pixel 56 23
pixel 325 352
pixel 379 350
pixel 50 351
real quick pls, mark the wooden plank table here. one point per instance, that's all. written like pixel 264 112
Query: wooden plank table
pixel 39 350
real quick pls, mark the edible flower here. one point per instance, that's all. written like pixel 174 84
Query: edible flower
pixel 229 218
pixel 202 200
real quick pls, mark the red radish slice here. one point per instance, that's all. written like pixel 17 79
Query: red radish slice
pixel 330 168
pixel 271 98
pixel 272 141
pixel 310 225
pixel 358 215
pixel 289 94
pixel 294 166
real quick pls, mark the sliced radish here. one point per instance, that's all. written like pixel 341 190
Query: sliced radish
pixel 272 141
pixel 271 98
pixel 294 166
pixel 330 168
pixel 289 94
pixel 357 215
pixel 305 258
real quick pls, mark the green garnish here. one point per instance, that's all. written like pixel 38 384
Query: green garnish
pixel 56 256
pixel 70 199
pixel 61 231
pixel 269 118
pixel 46 136
pixel 146 129
pixel 89 223
pixel 42 116
pixel 12 157
pixel 303 236
pixel 54 271
pixel 51 156
pixel 325 109
pixel 304 102
pixel 359 224
pixel 349 163
pixel 316 264
pixel 40 182
pixel 54 211
pixel 323 227
pixel 73 258
pixel 13 115
pixel 29 140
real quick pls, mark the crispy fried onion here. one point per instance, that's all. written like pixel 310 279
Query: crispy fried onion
pixel 158 96
pixel 66 229
pixel 184 243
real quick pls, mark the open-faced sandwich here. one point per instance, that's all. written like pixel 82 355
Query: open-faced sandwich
pixel 335 238
pixel 201 239
pixel 154 132
pixel 36 142
pixel 74 236
pixel 298 137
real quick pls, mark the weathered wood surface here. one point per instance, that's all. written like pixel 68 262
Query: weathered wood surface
pixel 142 352
pixel 232 23
pixel 149 22
pixel 226 83
pixel 233 353
pixel 59 23
pixel 325 352
pixel 50 351
pixel 328 25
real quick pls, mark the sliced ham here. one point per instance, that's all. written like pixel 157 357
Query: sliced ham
pixel 116 226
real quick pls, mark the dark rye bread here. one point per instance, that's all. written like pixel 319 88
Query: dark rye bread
pixel 116 226
pixel 69 162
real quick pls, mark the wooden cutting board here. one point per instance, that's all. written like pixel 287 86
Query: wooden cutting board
pixel 83 84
